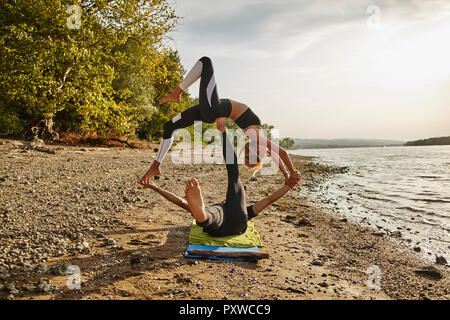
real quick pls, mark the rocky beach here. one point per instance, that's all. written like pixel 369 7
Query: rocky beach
pixel 69 208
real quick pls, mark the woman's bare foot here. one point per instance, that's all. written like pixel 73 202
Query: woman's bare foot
pixel 152 172
pixel 174 96
pixel 195 200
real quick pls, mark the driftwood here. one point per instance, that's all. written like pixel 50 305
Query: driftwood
pixel 124 142
pixel 231 254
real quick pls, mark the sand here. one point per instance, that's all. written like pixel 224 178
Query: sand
pixel 82 206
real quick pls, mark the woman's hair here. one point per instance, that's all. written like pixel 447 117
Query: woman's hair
pixel 251 154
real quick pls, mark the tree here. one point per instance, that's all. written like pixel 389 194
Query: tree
pixel 50 71
pixel 169 76
pixel 287 143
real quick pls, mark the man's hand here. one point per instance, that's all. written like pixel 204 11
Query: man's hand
pixel 220 124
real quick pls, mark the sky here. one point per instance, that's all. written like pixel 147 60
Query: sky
pixel 362 69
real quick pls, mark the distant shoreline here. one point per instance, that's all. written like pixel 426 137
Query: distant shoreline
pixel 343 147
pixel 302 144
pixel 440 141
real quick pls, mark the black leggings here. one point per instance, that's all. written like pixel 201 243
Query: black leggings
pixel 210 107
pixel 230 217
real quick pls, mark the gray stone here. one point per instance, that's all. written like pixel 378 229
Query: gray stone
pixel 441 260
pixel 109 242
pixel 43 286
pixel 430 273
pixel 396 234
pixel 42 268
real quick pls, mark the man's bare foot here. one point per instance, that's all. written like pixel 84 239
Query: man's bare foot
pixel 152 172
pixel 174 96
pixel 195 200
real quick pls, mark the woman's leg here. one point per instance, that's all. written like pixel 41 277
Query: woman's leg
pixel 208 94
pixel 203 69
pixel 195 200
pixel 182 120
pixel 230 218
pixel 211 106
pixel 235 199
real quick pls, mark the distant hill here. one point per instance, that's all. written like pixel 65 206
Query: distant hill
pixel 430 142
pixel 343 143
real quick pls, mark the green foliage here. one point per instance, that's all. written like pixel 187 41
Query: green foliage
pixel 10 122
pixel 169 76
pixel 104 76
pixel 430 142
pixel 268 130
pixel 287 143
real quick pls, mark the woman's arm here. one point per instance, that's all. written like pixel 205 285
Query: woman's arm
pixel 170 196
pixel 264 203
pixel 277 153
pixel 280 164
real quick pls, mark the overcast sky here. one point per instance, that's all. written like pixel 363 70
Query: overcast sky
pixel 327 68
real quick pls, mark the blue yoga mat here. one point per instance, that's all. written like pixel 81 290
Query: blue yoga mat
pixel 219 249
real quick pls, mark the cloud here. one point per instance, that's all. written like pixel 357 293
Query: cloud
pixel 316 57
pixel 255 24
pixel 262 28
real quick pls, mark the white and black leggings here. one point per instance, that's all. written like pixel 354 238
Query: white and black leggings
pixel 210 107
pixel 229 218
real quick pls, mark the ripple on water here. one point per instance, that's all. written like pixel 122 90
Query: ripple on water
pixel 411 185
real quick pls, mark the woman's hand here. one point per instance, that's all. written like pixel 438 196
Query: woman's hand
pixel 293 180
pixel 220 124
pixel 286 179
pixel 296 174
pixel 150 185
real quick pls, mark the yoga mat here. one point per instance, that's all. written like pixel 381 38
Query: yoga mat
pixel 221 249
pixel 248 242
pixel 250 238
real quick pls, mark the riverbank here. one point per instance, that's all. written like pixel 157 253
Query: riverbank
pixel 82 206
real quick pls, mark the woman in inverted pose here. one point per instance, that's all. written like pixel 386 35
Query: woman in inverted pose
pixel 227 218
pixel 210 108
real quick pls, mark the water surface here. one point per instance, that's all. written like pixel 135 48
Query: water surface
pixel 404 189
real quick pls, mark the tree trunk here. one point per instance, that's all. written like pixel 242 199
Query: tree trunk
pixel 44 131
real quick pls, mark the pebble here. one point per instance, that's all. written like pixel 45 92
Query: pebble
pixel 83 247
pixel 396 234
pixel 304 222
pixel 441 260
pixel 430 272
pixel 317 263
pixel 42 268
pixel 43 286
pixel 109 242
